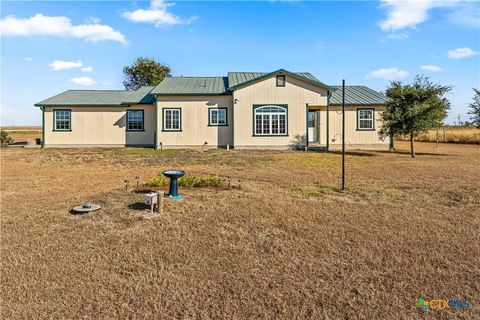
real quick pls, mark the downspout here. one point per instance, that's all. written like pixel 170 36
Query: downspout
pixel 43 126
pixel 328 120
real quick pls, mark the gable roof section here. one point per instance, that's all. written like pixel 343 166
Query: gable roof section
pixel 357 96
pixel 100 97
pixel 192 86
pixel 238 80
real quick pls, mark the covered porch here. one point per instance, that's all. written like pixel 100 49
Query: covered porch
pixel 317 128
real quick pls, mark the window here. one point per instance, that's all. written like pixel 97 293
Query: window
pixel 365 119
pixel 62 120
pixel 172 119
pixel 280 81
pixel 217 117
pixel 135 120
pixel 270 120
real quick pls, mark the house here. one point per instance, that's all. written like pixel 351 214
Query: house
pixel 273 110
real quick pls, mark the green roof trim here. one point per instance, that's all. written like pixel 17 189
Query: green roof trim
pixel 100 98
pixel 357 96
pixel 192 86
pixel 242 79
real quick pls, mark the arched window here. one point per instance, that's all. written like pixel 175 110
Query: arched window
pixel 270 120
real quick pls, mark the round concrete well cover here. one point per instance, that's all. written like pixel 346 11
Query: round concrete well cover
pixel 86 207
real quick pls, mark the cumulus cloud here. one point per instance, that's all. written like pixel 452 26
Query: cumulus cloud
pixel 461 53
pixel 405 14
pixel 388 74
pixel 60 26
pixel 87 69
pixel 58 65
pixel 431 68
pixel 402 14
pixel 83 81
pixel 157 14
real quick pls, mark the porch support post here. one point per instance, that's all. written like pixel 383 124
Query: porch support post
pixel 306 124
pixel 155 137
pixel 43 126
pixel 328 120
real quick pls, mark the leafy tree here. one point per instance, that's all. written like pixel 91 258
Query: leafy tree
pixel 414 108
pixel 475 108
pixel 5 138
pixel 144 72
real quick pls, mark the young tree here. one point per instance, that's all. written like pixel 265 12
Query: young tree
pixel 414 108
pixel 5 138
pixel 475 108
pixel 144 72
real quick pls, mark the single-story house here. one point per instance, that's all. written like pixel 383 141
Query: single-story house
pixel 272 110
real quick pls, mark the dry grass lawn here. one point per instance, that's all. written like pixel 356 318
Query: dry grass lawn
pixel 287 245
pixel 450 134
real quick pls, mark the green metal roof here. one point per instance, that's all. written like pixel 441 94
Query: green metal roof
pixel 357 95
pixel 192 86
pixel 100 97
pixel 240 79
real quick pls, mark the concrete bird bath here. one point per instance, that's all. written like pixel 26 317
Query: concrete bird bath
pixel 174 175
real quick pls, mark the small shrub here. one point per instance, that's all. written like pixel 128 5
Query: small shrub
pixel 5 138
pixel 199 182
pixel 157 181
pixel 188 180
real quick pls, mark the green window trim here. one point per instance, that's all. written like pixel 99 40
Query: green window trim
pixel 128 120
pixel 210 124
pixel 179 120
pixel 257 106
pixel 55 120
pixel 373 119
pixel 281 80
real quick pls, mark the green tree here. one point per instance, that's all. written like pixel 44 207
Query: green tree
pixel 475 108
pixel 5 138
pixel 144 72
pixel 414 108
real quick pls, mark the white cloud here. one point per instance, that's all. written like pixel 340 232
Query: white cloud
pixel 405 14
pixel 40 25
pixel 467 13
pixel 461 53
pixel 388 74
pixel 83 81
pixel 431 68
pixel 29 59
pixel 58 65
pixel 157 14
pixel 87 69
pixel 395 36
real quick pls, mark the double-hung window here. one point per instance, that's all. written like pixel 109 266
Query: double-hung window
pixel 135 120
pixel 270 120
pixel 217 116
pixel 172 120
pixel 365 119
pixel 62 120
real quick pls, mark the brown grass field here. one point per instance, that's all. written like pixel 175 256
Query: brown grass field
pixel 287 245
pixel 450 134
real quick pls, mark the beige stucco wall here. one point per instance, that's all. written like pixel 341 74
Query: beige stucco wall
pixel 296 94
pixel 99 126
pixel 354 138
pixel 194 121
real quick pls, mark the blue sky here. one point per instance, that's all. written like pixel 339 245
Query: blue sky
pixel 48 47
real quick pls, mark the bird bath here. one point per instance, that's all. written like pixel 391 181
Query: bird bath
pixel 174 175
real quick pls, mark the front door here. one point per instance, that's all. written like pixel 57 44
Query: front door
pixel 313 125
